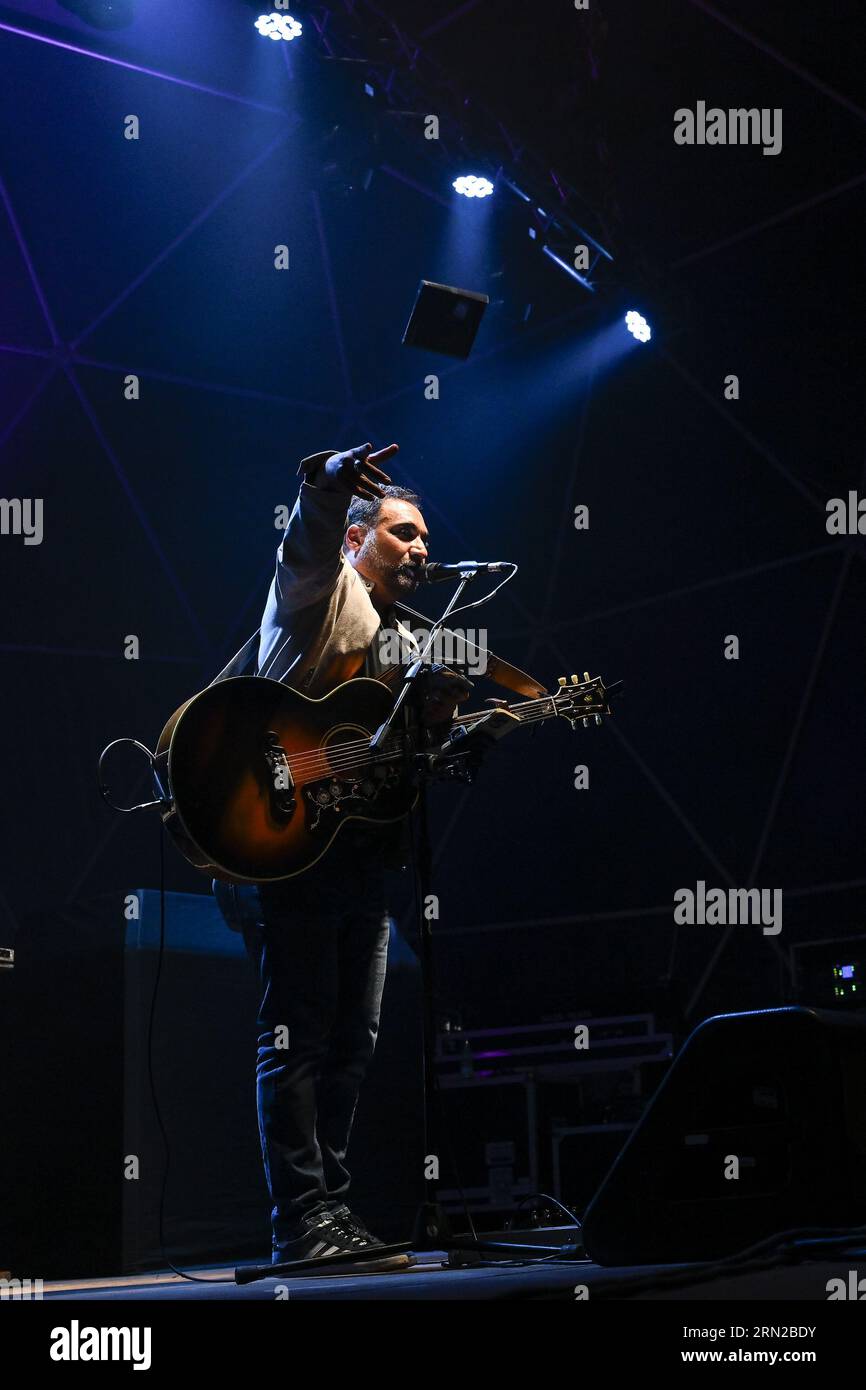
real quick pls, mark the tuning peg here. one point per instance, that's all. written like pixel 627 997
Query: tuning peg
pixel 598 719
pixel 587 676
pixel 562 680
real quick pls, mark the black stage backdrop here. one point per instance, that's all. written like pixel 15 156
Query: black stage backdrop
pixel 707 515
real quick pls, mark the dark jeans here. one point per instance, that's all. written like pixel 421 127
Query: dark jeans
pixel 320 943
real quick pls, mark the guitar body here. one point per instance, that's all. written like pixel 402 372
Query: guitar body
pixel 259 779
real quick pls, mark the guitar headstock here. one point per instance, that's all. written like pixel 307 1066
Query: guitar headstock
pixel 583 699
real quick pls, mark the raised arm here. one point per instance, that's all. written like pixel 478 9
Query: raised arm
pixel 310 553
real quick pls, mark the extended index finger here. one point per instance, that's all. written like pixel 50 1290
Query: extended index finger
pixel 382 454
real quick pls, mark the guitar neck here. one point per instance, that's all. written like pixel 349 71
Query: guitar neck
pixel 528 712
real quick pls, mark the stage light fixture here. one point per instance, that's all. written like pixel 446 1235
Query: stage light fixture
pixel 472 186
pixel 279 26
pixel 638 326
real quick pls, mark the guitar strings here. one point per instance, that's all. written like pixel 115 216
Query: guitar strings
pixel 338 753
pixel 347 756
pixel 343 754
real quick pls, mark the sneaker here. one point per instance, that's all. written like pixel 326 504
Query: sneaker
pixel 323 1234
pixel 348 1218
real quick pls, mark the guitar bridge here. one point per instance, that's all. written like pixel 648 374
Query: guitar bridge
pixel 280 779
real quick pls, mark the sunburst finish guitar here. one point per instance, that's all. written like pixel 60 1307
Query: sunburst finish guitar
pixel 256 780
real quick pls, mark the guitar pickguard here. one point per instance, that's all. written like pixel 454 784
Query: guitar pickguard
pixel 325 801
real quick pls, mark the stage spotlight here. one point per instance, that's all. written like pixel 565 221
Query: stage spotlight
pixel 101 14
pixel 471 186
pixel 638 326
pixel 278 26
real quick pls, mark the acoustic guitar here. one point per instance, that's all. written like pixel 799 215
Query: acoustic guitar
pixel 256 780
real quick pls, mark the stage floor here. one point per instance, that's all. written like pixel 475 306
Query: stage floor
pixel 431 1278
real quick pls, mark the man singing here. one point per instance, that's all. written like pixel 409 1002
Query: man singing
pixel 354 545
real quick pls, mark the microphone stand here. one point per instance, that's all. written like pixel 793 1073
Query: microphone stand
pixel 431 1222
pixel 432 1229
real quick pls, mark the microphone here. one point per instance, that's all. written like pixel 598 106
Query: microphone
pixel 433 574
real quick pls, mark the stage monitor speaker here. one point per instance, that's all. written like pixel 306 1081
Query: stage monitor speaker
pixel 759 1127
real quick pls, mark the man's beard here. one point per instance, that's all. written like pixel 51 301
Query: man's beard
pixel 405 575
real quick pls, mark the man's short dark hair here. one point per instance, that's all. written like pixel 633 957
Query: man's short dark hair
pixel 364 511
